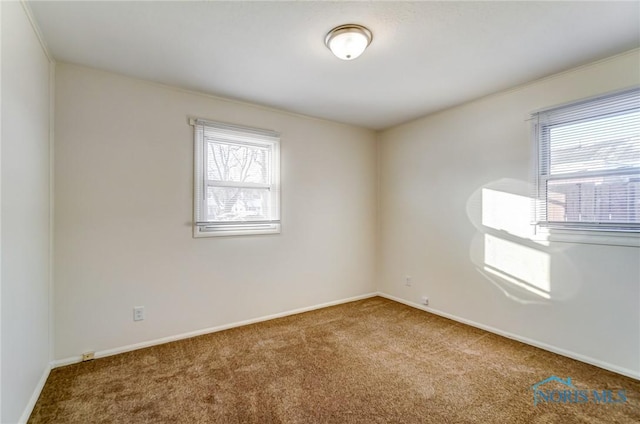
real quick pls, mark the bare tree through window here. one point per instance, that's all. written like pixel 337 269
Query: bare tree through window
pixel 238 182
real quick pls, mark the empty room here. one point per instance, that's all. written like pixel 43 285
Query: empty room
pixel 320 212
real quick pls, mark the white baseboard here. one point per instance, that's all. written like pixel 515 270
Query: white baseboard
pixel 573 355
pixel 149 343
pixel 34 397
pixel 582 358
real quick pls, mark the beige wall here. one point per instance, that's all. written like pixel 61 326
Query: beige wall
pixel 123 172
pixel 24 214
pixel 432 173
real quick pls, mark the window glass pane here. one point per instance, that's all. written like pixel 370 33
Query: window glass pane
pixel 238 163
pixel 238 204
pixel 589 164
pixel 610 199
pixel 600 144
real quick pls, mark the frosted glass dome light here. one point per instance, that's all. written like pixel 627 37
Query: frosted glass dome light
pixel 349 41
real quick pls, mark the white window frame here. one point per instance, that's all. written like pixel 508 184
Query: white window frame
pixel 203 226
pixel 588 232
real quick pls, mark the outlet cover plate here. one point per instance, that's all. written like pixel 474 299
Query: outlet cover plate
pixel 138 313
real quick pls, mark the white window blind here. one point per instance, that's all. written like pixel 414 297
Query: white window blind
pixel 236 180
pixel 589 164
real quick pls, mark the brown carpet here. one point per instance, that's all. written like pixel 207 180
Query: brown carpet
pixel 371 361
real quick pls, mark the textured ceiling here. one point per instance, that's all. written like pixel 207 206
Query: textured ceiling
pixel 425 56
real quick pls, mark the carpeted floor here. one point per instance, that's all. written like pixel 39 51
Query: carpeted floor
pixel 371 361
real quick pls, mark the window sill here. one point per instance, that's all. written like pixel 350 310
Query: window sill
pixel 607 238
pixel 199 232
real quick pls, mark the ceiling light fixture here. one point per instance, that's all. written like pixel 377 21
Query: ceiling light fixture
pixel 348 41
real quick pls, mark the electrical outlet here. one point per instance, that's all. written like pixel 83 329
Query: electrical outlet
pixel 408 280
pixel 425 300
pixel 88 356
pixel 138 313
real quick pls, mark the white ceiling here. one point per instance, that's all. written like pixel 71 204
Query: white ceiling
pixel 425 56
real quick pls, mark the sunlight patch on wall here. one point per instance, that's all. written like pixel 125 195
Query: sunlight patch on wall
pixel 509 253
pixel 522 266
pixel 508 212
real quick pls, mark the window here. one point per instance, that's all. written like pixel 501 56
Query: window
pixel 236 180
pixel 589 164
